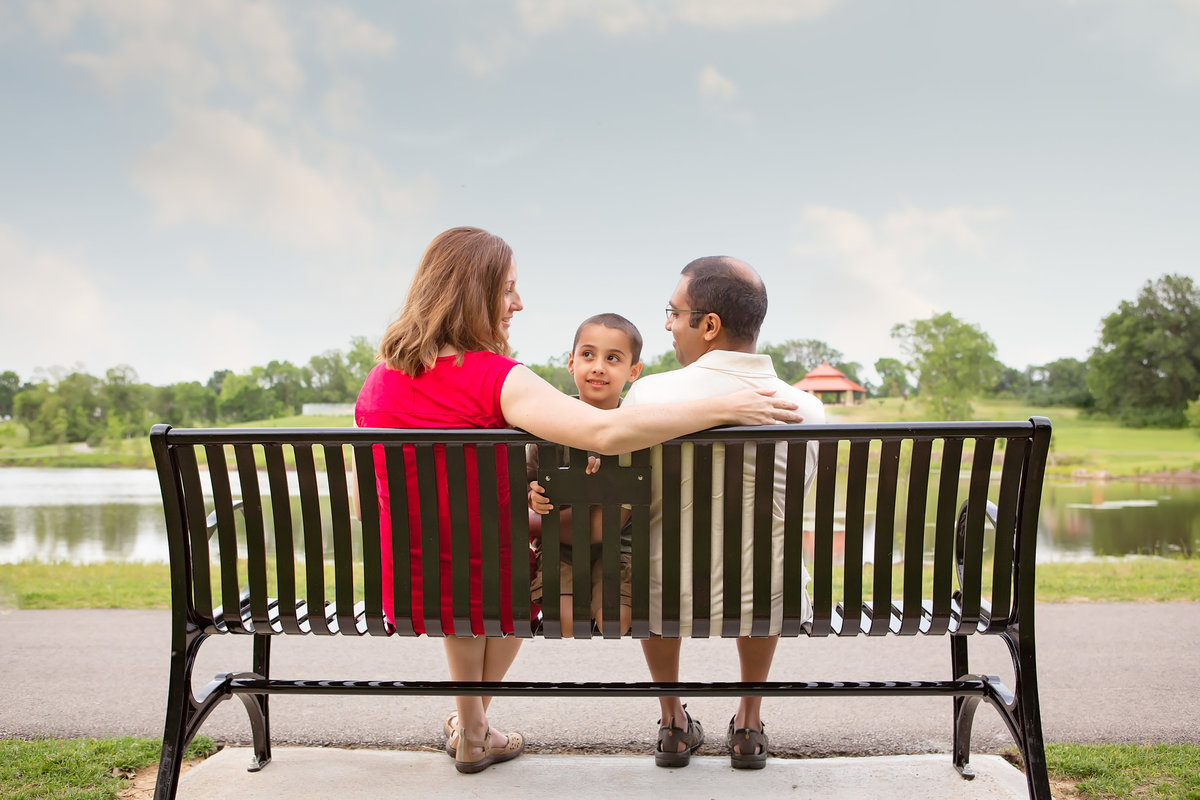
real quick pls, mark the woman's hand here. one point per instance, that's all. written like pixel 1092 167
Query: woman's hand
pixel 761 407
pixel 538 503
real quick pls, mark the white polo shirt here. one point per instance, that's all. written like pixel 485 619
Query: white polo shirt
pixel 717 373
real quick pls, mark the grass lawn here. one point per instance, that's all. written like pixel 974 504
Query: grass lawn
pixel 1118 771
pixel 115 585
pixel 79 769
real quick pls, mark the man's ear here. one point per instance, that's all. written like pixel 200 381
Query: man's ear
pixel 712 326
pixel 633 373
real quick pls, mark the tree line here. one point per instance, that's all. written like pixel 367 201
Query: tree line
pixel 1144 371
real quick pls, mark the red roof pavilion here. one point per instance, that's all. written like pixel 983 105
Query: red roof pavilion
pixel 831 386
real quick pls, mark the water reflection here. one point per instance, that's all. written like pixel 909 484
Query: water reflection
pixel 92 515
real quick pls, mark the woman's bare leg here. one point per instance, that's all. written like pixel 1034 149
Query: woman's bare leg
pixel 479 659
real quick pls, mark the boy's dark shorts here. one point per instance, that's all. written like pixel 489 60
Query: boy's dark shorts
pixel 566 579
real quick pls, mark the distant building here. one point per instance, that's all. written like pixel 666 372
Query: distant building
pixel 831 386
pixel 327 409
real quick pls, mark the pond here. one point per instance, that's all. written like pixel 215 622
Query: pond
pixel 93 515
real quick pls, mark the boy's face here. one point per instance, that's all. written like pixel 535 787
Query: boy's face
pixel 602 363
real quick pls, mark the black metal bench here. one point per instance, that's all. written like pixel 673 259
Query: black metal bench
pixel 942 518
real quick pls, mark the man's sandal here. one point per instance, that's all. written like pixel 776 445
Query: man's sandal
pixel 672 736
pixel 467 762
pixel 753 746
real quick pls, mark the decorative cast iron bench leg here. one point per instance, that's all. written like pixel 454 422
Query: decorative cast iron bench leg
pixel 256 705
pixel 964 709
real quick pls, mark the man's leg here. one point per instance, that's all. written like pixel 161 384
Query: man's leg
pixel 754 656
pixel 678 734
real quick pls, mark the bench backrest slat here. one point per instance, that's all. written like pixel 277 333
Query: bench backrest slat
pixel 314 540
pixel 924 528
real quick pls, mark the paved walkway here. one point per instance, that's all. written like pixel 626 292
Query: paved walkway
pixel 1108 672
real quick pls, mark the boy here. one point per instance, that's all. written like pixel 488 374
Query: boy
pixel 605 356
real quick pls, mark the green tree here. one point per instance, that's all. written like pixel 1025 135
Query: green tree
pixel 243 398
pixel 555 373
pixel 1060 383
pixel 331 380
pixel 361 358
pixel 893 377
pixel 662 363
pixel 287 384
pixel 10 384
pixel 795 358
pixel 953 360
pixel 1146 368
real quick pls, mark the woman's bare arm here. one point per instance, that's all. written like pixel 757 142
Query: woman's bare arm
pixel 529 403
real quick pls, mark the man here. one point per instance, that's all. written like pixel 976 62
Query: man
pixel 714 316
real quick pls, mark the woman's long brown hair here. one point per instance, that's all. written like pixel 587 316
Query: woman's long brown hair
pixel 456 299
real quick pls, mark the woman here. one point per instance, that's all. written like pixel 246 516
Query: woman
pixel 446 364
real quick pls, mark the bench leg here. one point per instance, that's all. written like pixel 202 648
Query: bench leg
pixel 182 711
pixel 257 706
pixel 964 709
pixel 1027 710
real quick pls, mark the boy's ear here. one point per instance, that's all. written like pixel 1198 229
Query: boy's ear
pixel 571 362
pixel 633 373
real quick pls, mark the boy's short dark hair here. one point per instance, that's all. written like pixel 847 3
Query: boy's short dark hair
pixel 717 285
pixel 617 322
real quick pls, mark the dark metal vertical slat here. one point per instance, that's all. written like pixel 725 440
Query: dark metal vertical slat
pixel 702 538
pixel 197 526
pixel 552 537
pixel 368 506
pixel 343 544
pixel 640 566
pixel 430 538
pixel 489 539
pixel 285 552
pixel 852 560
pixel 581 555
pixel 314 540
pixel 460 538
pixel 793 539
pixel 518 528
pixel 610 561
pixel 1006 525
pixel 731 540
pixel 399 462
pixel 256 536
pixel 914 535
pixel 943 544
pixel 671 513
pixel 885 533
pixel 764 520
pixel 822 575
pixel 977 491
pixel 218 474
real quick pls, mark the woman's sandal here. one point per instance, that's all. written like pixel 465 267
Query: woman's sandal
pixel 450 730
pixel 753 746
pixel 467 762
pixel 692 737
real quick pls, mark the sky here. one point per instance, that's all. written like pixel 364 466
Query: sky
pixel 190 187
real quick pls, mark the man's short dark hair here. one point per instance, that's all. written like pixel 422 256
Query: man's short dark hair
pixel 730 289
pixel 617 322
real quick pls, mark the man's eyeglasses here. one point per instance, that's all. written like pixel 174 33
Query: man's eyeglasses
pixel 673 313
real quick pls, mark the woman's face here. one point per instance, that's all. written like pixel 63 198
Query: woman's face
pixel 512 300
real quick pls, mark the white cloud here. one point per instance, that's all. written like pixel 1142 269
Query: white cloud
pixel 51 303
pixel 485 59
pixel 748 13
pixel 344 105
pixel 890 271
pixel 342 32
pixel 185 49
pixel 218 168
pixel 616 17
pixel 715 86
